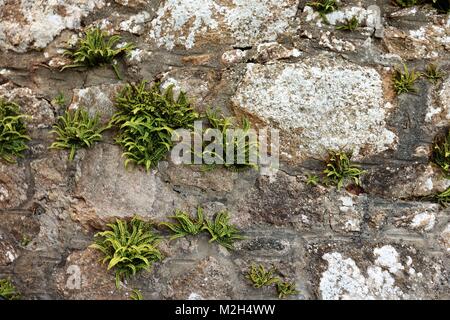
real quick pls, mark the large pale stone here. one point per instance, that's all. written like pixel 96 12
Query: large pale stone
pixel 34 24
pixel 242 22
pixel 321 104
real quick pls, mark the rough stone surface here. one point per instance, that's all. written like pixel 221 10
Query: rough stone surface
pixel 317 100
pixel 277 64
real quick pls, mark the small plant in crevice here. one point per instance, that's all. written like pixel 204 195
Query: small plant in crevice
pixel 433 73
pixel 97 48
pixel 323 7
pixel 186 224
pixel 440 154
pixel 128 247
pixel 406 3
pixel 443 6
pixel 235 140
pixel 286 289
pixel 25 240
pixel 261 277
pixel 312 180
pixel 442 198
pixel 136 295
pixel 59 100
pixel 222 231
pixel 8 291
pixel 349 25
pixel 340 169
pixel 146 118
pixel 13 132
pixel 404 80
pixel 75 130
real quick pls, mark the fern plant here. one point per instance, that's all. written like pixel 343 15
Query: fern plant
pixel 406 3
pixel 136 295
pixel 13 132
pixel 339 169
pixel 233 138
pixel 128 247
pixel 323 7
pixel 76 130
pixel 222 231
pixel 442 198
pixel 97 49
pixel 312 180
pixel 146 118
pixel 186 224
pixel 349 25
pixel 285 289
pixel 443 6
pixel 261 277
pixel 8 291
pixel 441 152
pixel 433 74
pixel 404 80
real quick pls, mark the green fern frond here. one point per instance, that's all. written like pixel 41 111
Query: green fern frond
pixel 128 247
pixel 97 49
pixel 13 132
pixel 76 130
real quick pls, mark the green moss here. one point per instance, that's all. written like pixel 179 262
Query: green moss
pixel 76 130
pixel 13 132
pixel 97 49
pixel 128 247
pixel 146 118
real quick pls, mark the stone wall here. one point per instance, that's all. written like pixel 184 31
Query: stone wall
pixel 277 62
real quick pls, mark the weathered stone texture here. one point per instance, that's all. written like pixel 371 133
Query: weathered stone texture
pixel 278 64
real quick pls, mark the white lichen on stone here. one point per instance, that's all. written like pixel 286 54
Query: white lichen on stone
pixel 36 23
pixel 343 280
pixel 325 104
pixel 135 24
pixel 181 22
pixel 387 257
pixel 424 221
